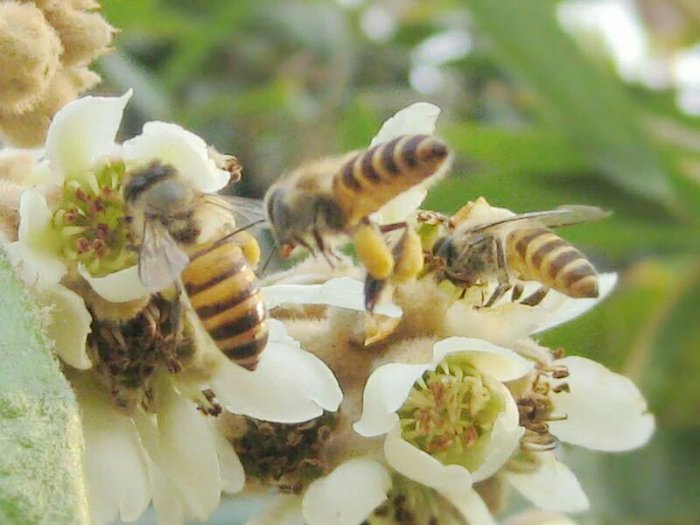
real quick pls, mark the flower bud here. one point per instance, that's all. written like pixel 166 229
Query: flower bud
pixel 84 36
pixel 28 130
pixel 29 56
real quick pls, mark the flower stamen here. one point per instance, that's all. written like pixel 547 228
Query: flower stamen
pixel 449 411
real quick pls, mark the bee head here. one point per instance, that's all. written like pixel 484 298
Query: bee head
pixel 299 219
pixel 159 188
pixel 444 248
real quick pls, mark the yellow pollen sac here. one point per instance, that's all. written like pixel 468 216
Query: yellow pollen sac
pixel 409 260
pixel 373 252
pixel 250 247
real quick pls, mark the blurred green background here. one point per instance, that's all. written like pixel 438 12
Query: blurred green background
pixel 544 103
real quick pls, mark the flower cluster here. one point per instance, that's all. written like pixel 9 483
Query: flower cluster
pixel 149 380
pixel 422 411
pixel 45 50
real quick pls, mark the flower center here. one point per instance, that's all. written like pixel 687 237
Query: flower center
pixel 410 503
pixel 90 222
pixel 450 412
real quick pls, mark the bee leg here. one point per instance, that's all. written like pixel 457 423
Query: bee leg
pixel 536 297
pixel 323 248
pixel 173 331
pixel 517 292
pixel 501 274
pixel 373 289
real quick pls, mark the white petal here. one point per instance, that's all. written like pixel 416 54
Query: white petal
pixel 507 322
pixel 117 287
pixel 290 385
pixel 385 392
pixel 68 324
pixel 401 206
pixel 115 462
pixel 470 505
pixel 35 254
pixel 504 439
pixel 232 474
pixel 188 455
pixel 551 487
pixel 166 499
pixel 347 495
pixel 182 149
pixel 568 308
pixel 422 467
pixel 495 361
pixel 81 132
pixel 285 509
pixel 342 292
pixel 605 410
pixel 416 119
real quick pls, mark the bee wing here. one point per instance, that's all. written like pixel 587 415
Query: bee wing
pixel 160 258
pixel 561 216
pixel 246 211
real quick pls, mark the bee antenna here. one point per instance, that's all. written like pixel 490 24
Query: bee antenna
pixel 239 230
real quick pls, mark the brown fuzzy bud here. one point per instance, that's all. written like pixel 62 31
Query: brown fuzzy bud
pixel 16 165
pixel 81 78
pixel 28 130
pixel 29 56
pixel 85 36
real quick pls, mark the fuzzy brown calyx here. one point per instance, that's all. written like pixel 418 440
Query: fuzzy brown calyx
pixel 84 35
pixel 29 56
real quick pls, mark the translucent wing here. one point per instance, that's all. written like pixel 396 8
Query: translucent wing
pixel 246 211
pixel 160 258
pixel 561 216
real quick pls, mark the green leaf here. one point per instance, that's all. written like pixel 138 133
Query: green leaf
pixel 590 105
pixel 41 472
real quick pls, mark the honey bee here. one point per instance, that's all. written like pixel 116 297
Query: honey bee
pixel 484 242
pixel 177 225
pixel 334 197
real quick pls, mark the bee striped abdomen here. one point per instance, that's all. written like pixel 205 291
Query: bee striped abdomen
pixel 225 294
pixel 538 254
pixel 372 178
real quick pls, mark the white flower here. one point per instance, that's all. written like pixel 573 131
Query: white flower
pixel 354 490
pixel 589 406
pixel 175 458
pixel 417 119
pixel 448 422
pixel 82 173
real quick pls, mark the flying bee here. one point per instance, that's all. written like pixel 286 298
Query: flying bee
pixel 189 238
pixel 334 197
pixel 484 242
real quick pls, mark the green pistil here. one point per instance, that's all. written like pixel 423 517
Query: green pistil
pixel 90 222
pixel 450 413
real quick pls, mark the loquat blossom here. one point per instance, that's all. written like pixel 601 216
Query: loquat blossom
pixel 450 422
